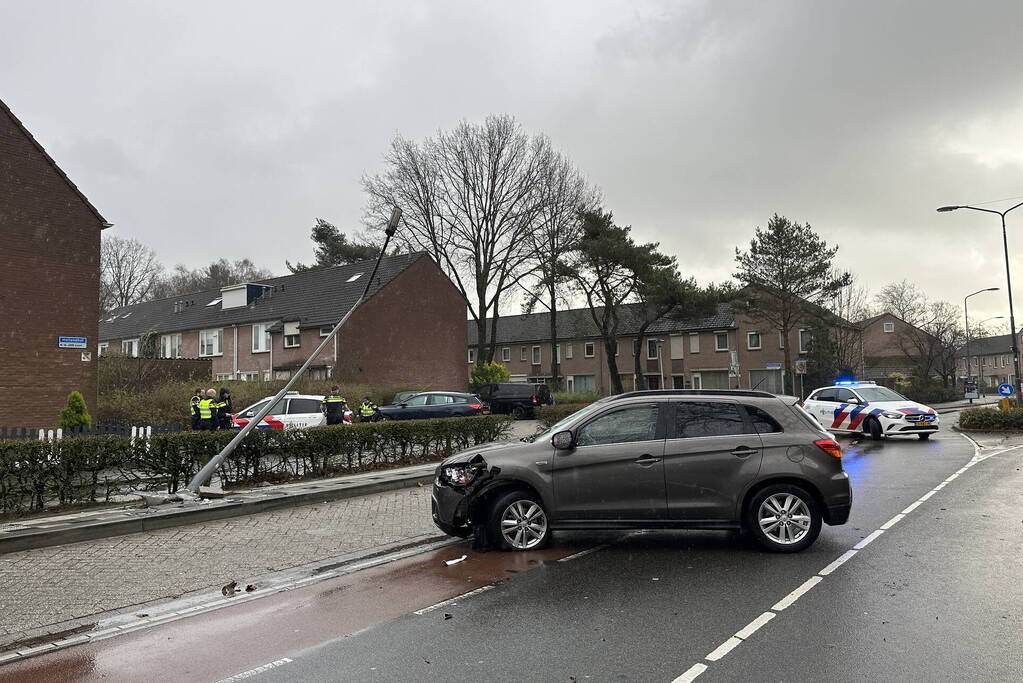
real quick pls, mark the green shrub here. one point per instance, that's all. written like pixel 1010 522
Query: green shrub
pixel 547 416
pixel 38 474
pixel 931 393
pixel 75 414
pixel 576 397
pixel 987 419
pixel 487 373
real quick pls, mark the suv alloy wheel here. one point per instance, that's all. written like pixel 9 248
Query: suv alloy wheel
pixel 519 522
pixel 783 518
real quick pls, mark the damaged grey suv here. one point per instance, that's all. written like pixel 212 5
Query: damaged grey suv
pixel 695 459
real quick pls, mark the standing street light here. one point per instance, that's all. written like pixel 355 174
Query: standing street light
pixel 660 362
pixel 966 313
pixel 980 371
pixel 1008 285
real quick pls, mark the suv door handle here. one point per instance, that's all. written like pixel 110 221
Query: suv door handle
pixel 647 460
pixel 742 451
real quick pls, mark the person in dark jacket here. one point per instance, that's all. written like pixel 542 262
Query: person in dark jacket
pixel 224 409
pixel 333 406
pixel 193 406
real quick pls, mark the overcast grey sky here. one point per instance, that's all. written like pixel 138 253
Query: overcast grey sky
pixel 222 129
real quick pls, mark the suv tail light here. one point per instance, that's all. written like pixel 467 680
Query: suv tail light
pixel 829 446
pixel 534 400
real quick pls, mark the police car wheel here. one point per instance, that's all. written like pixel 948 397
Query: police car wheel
pixel 874 428
pixel 924 436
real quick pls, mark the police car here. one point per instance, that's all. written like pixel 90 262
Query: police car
pixel 294 411
pixel 865 407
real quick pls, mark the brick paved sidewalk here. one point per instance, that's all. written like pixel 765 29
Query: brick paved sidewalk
pixel 60 583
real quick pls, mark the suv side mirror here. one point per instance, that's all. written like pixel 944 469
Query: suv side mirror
pixel 563 441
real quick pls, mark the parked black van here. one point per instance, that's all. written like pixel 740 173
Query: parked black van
pixel 516 398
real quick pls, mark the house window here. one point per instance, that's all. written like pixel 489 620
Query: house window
pixel 211 343
pixel 522 354
pixel 651 349
pixel 130 347
pixel 472 355
pixel 618 346
pixel 506 354
pixel 588 350
pixel 170 346
pixel 536 355
pixel 557 353
pixel 248 376
pixel 889 327
pixel 1004 361
pixel 568 351
pixel 752 340
pixel 325 331
pixel 292 338
pixel 584 383
pixel 804 341
pixel 221 376
pixel 720 341
pixel 101 348
pixel 983 360
pixel 261 337
pixel 694 343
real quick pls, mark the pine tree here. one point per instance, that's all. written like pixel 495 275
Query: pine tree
pixel 75 414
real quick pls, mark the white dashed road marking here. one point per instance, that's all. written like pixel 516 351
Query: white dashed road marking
pixel 734 641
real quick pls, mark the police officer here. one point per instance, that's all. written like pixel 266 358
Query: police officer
pixel 193 406
pixel 333 406
pixel 367 410
pixel 224 409
pixel 207 419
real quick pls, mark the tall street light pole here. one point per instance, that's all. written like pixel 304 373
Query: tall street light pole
pixel 1008 285
pixel 966 313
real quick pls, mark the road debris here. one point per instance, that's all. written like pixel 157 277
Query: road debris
pixel 251 587
pixel 456 560
pixel 447 616
pixel 230 589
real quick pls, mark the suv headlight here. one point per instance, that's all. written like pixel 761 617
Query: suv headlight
pixel 893 416
pixel 459 475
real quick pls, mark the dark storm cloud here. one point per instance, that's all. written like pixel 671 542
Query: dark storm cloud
pixel 223 129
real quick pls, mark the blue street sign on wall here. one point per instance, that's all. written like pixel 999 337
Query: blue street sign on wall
pixel 72 342
pixel 1006 389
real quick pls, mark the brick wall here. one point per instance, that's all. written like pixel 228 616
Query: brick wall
pixel 49 284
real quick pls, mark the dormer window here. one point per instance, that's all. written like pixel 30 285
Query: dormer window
pixel 355 277
pixel 214 302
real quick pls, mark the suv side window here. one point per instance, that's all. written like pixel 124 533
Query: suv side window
pixel 419 400
pixel 441 399
pixel 707 418
pixel 761 421
pixel 626 425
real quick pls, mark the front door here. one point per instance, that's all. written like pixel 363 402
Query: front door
pixel 615 471
pixel 712 453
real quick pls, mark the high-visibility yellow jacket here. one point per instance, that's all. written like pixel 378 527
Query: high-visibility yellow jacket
pixel 206 408
pixel 367 409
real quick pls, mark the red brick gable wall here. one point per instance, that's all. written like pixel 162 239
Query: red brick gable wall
pixel 49 284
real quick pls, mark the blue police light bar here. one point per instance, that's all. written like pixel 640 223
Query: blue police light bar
pixel 845 382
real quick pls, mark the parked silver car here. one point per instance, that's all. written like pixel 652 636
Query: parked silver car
pixel 653 459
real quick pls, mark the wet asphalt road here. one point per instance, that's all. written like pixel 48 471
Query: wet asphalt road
pixel 937 596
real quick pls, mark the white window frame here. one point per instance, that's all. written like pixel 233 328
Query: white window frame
pixel 889 327
pixel 506 354
pixel 749 341
pixel 523 354
pixel 295 335
pixel 266 337
pixel 781 340
pixel 694 342
pixel 656 347
pixel 101 347
pixel 249 376
pixel 717 336
pixel 568 352
pixel 167 348
pixel 589 349
pixel 217 346
pixel 472 356
pixel 130 347
pixel 537 355
pixel 804 348
pixel 223 376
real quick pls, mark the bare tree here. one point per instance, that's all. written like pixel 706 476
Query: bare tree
pixel 470 198
pixel 935 333
pixel 851 305
pixel 129 272
pixel 214 276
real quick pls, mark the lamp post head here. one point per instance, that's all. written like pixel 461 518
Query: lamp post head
pixel 992 289
pixel 945 209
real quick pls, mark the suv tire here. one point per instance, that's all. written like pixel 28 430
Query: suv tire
pixel 783 518
pixel 518 412
pixel 518 521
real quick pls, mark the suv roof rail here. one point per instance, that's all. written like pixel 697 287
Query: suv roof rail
pixel 696 392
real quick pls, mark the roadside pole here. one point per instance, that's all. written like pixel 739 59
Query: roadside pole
pixel 207 471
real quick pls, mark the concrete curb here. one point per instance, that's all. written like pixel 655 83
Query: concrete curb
pixel 43 533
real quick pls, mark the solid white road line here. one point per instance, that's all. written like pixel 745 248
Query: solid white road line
pixel 752 627
pixel 723 649
pixel 868 540
pixel 843 558
pixel 691 673
pixel 255 672
pixel 584 553
pixel 796 594
pixel 452 601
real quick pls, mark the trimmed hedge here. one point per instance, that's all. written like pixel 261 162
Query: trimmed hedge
pixel 986 419
pixel 35 475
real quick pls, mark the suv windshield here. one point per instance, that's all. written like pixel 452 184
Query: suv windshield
pixel 879 394
pixel 560 425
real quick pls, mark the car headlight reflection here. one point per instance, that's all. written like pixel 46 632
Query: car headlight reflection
pixel 893 416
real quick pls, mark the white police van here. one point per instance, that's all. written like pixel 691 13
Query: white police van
pixel 865 407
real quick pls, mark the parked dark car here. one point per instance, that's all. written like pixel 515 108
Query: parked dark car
pixel 518 399
pixel 402 395
pixel 432 404
pixel 654 459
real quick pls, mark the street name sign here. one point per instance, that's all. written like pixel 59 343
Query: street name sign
pixel 72 342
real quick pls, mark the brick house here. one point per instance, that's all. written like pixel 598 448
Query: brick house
pixel 990 360
pixel 49 282
pixel 722 351
pixel 889 344
pixel 407 332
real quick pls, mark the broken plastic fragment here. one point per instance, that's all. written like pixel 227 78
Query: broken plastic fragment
pixel 456 560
